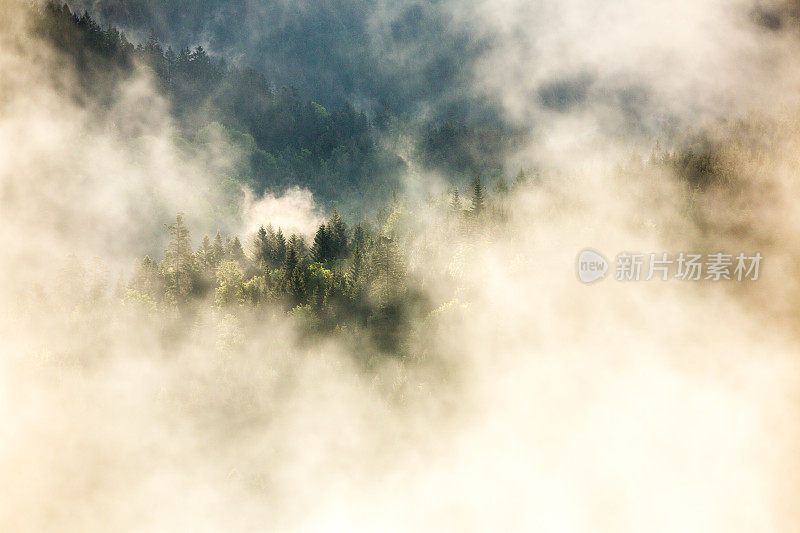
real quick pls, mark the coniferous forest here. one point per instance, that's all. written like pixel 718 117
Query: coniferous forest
pixel 343 277
pixel 285 139
pixel 343 265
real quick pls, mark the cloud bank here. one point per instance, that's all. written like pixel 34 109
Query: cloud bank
pixel 539 403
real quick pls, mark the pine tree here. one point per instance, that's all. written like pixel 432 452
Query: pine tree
pixel 290 264
pixel 179 265
pixel 356 266
pixel 499 205
pixel 359 237
pixel 501 187
pixel 478 200
pixel 236 251
pixel 148 280
pixel 337 229
pixel 230 284
pixel 218 250
pixel 386 271
pixel 180 245
pixel 262 248
pixel 297 285
pixel 204 254
pixel 337 289
pixel 318 298
pixel 280 247
pixel 321 249
pixel 272 239
pixel 299 245
pixel 455 201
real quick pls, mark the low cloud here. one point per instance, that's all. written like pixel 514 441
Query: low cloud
pixel 294 211
pixel 532 401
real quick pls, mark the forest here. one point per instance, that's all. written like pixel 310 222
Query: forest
pixel 358 280
pixel 286 140
pixel 355 277
pixel 316 265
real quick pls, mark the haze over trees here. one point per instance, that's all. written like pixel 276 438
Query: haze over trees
pixel 345 275
pixel 283 139
pixel 190 340
pixel 349 277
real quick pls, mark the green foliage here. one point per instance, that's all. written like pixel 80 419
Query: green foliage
pixel 235 252
pixel 282 139
pixel 321 249
pixel 290 264
pixel 307 317
pixel 140 300
pixel 386 271
pixel 256 290
pixel 355 280
pixel 356 265
pixel 230 285
pixel 331 240
pixel 263 248
pixel 337 230
pixel 217 251
pixel 280 247
pixel 463 150
pixel 179 268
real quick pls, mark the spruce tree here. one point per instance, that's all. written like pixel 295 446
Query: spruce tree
pixel 318 298
pixel 455 201
pixel 501 187
pixel 204 254
pixel 320 250
pixel 297 285
pixel 236 251
pixel 386 271
pixel 217 250
pixel 337 229
pixel 262 248
pixel 478 200
pixel 299 245
pixel 356 266
pixel 180 264
pixel 272 239
pixel 290 263
pixel 280 247
pixel 359 237
pixel 148 280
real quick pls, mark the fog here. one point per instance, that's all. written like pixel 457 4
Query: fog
pixel 535 402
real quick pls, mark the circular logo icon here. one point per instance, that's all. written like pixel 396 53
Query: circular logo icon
pixel 591 266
